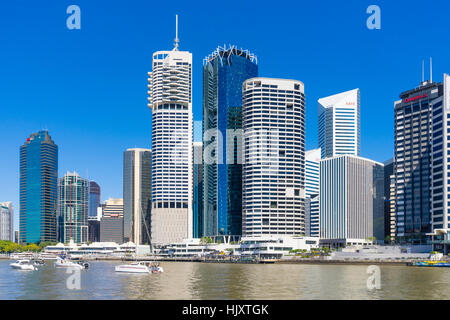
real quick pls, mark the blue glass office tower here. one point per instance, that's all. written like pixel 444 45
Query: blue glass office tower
pixel 224 72
pixel 38 188
pixel 94 198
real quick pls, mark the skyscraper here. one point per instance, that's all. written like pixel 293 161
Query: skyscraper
pixel 170 98
pixel 440 192
pixel 312 179
pixel 351 200
pixel 6 221
pixel 197 206
pixel 38 188
pixel 73 207
pixel 273 120
pixel 137 191
pixel 94 198
pixel 414 154
pixel 388 172
pixel 339 124
pixel 312 166
pixel 224 71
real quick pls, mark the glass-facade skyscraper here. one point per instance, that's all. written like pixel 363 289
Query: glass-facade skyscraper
pixel 224 72
pixel 6 221
pixel 413 160
pixel 137 194
pixel 197 206
pixel 38 188
pixel 73 199
pixel 94 198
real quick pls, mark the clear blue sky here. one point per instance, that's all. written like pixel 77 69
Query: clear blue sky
pixel 88 86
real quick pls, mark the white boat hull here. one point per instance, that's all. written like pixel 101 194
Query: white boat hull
pixel 132 269
pixel 26 267
pixel 67 264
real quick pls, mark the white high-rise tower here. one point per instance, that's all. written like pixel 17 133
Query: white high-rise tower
pixel 339 124
pixel 170 98
pixel 273 175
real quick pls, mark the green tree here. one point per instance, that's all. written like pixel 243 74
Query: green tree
pixel 33 247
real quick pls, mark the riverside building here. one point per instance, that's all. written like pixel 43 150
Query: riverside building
pixel 73 208
pixel 224 71
pixel 351 201
pixel 273 120
pixel 38 189
pixel 137 191
pixel 170 99
pixel 339 124
pixel 420 163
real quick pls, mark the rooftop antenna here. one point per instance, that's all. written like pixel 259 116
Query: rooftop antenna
pixel 176 34
pixel 431 69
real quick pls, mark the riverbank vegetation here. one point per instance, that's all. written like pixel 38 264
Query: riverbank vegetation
pixel 11 247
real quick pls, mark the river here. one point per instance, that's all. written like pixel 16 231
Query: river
pixel 186 280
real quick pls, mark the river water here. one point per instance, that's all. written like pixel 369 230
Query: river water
pixel 186 280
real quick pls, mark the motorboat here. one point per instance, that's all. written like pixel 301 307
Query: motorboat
pixel 38 262
pixel 23 265
pixel 139 267
pixel 64 263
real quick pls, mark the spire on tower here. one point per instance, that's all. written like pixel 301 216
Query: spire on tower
pixel 176 34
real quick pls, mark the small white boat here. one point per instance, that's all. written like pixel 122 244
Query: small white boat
pixel 23 265
pixel 139 267
pixel 63 263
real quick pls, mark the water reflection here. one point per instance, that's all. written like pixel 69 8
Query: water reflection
pixel 227 281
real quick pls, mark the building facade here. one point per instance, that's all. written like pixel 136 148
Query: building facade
pixel 38 189
pixel 111 229
pixel 6 221
pixel 170 99
pixel 224 72
pixel 94 198
pixel 351 200
pixel 197 206
pixel 388 172
pixel 339 124
pixel 112 208
pixel 273 115
pixel 312 168
pixel 73 208
pixel 137 192
pixel 416 198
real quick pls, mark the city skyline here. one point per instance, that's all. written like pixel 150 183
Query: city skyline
pixel 373 94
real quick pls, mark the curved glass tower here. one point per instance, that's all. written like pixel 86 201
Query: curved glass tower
pixel 224 71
